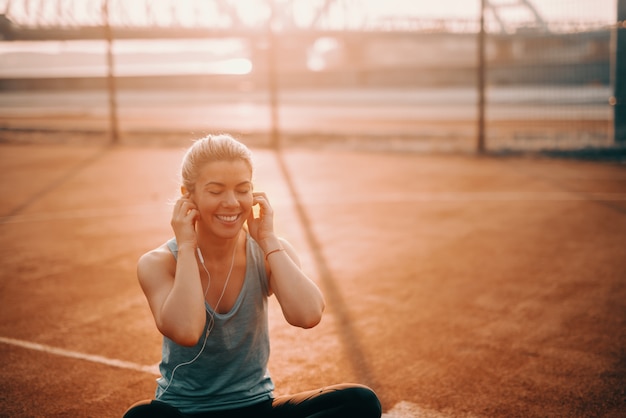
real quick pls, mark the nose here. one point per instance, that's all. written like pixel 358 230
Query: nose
pixel 230 200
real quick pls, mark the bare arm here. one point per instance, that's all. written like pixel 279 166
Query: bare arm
pixel 174 293
pixel 173 287
pixel 299 297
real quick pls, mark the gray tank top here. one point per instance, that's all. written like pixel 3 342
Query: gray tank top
pixel 231 371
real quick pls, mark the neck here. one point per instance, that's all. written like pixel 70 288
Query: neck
pixel 217 249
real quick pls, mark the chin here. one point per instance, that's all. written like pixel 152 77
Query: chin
pixel 228 232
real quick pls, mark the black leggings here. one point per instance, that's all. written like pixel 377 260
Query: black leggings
pixel 339 401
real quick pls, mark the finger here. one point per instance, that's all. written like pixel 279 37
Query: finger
pixel 192 214
pixel 265 207
pixel 258 200
pixel 258 196
pixel 181 205
pixel 182 208
pixel 261 200
pixel 188 204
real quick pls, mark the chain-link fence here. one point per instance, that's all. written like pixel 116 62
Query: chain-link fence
pixel 396 75
pixel 549 82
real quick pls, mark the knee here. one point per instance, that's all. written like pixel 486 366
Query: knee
pixel 152 408
pixel 365 401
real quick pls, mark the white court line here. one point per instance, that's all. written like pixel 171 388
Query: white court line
pixel 401 410
pixel 406 409
pixel 81 356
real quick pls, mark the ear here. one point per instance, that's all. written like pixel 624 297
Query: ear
pixel 183 190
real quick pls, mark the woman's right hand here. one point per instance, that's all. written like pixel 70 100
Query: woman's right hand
pixel 184 221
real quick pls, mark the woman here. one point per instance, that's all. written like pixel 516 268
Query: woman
pixel 207 289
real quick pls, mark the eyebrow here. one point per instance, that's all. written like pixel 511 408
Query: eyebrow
pixel 217 183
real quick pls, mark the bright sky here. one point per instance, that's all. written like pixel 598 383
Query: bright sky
pixel 250 10
pixel 352 12
pixel 602 10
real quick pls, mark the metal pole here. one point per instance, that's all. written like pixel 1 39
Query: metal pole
pixel 618 71
pixel 480 143
pixel 272 79
pixel 113 125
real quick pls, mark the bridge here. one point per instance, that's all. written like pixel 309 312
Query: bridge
pixel 83 19
pixel 369 48
pixel 146 19
pixel 365 45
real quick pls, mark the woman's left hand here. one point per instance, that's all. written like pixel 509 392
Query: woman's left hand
pixel 262 227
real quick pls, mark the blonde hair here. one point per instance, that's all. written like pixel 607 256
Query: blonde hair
pixel 212 148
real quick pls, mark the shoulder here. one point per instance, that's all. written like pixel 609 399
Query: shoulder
pixel 161 254
pixel 159 260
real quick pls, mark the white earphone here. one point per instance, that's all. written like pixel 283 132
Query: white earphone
pixel 211 320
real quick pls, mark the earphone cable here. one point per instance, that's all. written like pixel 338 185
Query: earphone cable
pixel 211 321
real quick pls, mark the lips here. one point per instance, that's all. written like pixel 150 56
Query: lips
pixel 227 218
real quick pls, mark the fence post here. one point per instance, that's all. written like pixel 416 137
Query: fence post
pixel 112 90
pixel 619 81
pixel 482 70
pixel 272 78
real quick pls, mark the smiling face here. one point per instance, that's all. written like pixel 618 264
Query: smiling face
pixel 223 194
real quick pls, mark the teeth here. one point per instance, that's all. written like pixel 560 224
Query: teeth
pixel 227 218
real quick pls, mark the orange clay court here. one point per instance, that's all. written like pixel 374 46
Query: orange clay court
pixel 456 285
